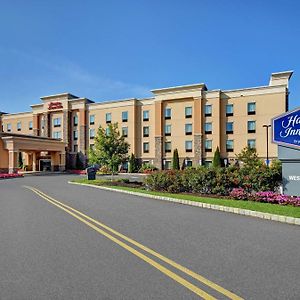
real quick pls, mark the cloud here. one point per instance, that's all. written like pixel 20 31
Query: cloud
pixel 89 81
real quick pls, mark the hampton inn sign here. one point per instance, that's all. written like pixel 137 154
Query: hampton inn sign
pixel 55 105
pixel 286 133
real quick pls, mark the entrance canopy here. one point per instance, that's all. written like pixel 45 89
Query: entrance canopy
pixel 32 146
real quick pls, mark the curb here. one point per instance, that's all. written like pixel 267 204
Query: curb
pixel 234 210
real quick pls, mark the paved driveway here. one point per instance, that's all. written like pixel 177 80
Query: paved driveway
pixel 49 251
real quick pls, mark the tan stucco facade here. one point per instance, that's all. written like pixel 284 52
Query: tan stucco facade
pixel 74 120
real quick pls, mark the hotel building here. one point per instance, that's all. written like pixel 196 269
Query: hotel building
pixel 191 118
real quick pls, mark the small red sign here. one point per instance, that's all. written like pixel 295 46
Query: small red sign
pixel 55 105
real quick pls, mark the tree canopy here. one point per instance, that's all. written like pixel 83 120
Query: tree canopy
pixel 110 148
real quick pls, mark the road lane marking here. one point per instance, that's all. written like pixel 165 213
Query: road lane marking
pixel 183 269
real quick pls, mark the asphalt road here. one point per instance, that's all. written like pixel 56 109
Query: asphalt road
pixel 48 251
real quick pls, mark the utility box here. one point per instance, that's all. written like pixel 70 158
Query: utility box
pixel 91 173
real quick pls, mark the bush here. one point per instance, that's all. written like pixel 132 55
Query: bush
pixel 147 168
pixel 104 170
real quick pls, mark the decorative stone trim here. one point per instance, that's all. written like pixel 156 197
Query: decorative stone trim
pixel 234 210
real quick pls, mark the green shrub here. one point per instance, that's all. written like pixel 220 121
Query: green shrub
pixel 175 161
pixel 147 167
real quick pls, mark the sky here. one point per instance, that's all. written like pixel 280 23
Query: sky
pixel 109 50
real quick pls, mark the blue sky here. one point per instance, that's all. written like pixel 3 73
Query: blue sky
pixel 106 50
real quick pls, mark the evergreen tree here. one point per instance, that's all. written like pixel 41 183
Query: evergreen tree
pixel 217 159
pixel 110 148
pixel 79 163
pixel 175 160
pixel 132 168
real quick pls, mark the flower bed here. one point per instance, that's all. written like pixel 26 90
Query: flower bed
pixel 78 172
pixel 8 176
pixel 266 197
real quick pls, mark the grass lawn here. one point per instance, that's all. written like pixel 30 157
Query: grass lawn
pixel 290 211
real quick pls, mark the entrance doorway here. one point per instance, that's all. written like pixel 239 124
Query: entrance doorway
pixel 45 165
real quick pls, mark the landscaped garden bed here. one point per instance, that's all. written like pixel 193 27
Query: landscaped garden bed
pixel 10 176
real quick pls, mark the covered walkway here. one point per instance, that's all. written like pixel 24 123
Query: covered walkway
pixel 38 151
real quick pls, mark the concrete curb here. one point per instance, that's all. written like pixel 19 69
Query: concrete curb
pixel 234 210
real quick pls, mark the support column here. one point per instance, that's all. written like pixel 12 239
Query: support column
pixel 36 125
pixel 197 112
pixel 62 165
pixel 55 161
pixel 158 134
pixel 12 162
pixel 34 162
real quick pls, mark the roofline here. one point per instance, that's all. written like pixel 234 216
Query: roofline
pixel 179 87
pixel 253 88
pixel 59 95
pixel 113 101
pixel 290 73
pixel 18 113
pixel 9 134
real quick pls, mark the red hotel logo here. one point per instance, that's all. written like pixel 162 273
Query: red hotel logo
pixel 55 105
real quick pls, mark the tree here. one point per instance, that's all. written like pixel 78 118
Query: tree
pixel 20 160
pixel 217 159
pixel 249 157
pixel 175 160
pixel 110 148
pixel 133 167
pixel 79 163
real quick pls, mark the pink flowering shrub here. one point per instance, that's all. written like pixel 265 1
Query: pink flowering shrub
pixel 239 194
pixel 8 176
pixel 266 197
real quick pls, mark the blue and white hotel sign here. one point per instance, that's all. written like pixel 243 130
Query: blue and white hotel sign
pixel 286 129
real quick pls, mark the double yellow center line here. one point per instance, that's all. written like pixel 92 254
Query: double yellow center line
pixel 98 227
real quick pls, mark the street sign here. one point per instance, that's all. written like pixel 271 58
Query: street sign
pixel 286 129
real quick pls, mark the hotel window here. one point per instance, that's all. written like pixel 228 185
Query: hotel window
pixel 75 135
pixel 188 163
pixel 56 134
pixel 167 164
pixel 251 108
pixel 168 113
pixel 43 123
pixel 75 120
pixel 188 112
pixel 107 131
pixel 124 116
pixel 145 131
pixel 167 146
pixel 75 148
pixel 188 129
pixel 57 122
pixel 92 119
pixel 208 110
pixel 252 144
pixel 30 125
pixel 8 127
pixel 92 146
pixel 208 128
pixel 92 134
pixel 167 130
pixel 108 118
pixel 188 146
pixel 146 147
pixel 229 110
pixel 146 115
pixel 251 126
pixel 19 126
pixel 229 145
pixel 229 127
pixel 125 131
pixel 208 145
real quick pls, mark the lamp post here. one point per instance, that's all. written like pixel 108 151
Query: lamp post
pixel 267 130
